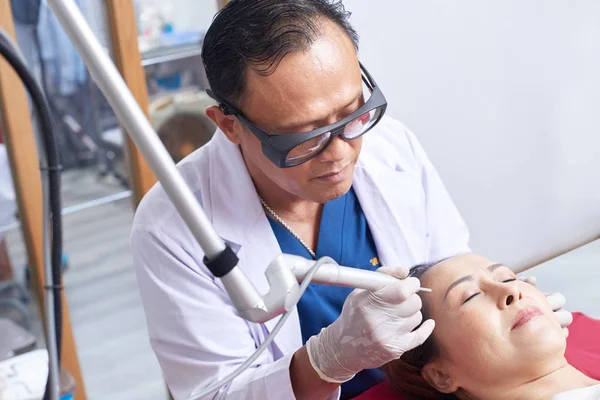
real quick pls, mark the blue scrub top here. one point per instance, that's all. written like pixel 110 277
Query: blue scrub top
pixel 344 235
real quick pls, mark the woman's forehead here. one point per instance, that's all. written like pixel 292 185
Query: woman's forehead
pixel 445 272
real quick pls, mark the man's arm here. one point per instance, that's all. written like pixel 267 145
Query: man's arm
pixel 306 382
pixel 198 336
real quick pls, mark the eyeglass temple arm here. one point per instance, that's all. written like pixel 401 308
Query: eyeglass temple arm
pixel 227 108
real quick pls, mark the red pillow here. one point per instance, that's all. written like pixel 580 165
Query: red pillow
pixel 583 352
pixel 583 345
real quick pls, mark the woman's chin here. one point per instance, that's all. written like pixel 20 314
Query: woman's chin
pixel 540 336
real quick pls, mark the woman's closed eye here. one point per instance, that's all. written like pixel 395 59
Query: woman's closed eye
pixel 504 274
pixel 470 297
pixel 506 277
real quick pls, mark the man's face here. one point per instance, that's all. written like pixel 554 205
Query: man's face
pixel 308 90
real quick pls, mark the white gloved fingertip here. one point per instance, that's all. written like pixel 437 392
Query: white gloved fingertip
pixel 428 326
pixel 398 292
pixel 556 301
pixel 564 317
pixel 431 323
pixel 420 335
pixel 397 272
pixel 530 279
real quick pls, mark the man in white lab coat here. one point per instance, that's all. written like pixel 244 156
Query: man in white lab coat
pixel 304 162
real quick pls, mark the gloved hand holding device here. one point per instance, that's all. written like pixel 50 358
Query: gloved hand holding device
pixel 373 329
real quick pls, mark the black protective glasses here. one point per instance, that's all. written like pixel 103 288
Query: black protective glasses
pixel 289 150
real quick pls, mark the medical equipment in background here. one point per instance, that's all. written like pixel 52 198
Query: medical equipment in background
pixel 284 272
pixel 51 208
pixel 78 108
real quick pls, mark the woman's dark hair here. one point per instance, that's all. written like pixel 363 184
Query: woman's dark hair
pixel 404 374
pixel 259 33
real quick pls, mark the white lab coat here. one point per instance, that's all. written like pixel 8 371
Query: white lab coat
pixel 195 331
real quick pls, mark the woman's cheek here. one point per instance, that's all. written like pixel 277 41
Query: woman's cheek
pixel 462 340
pixel 461 329
pixel 538 296
pixel 478 322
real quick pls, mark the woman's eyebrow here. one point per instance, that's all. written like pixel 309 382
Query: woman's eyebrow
pixel 457 282
pixel 494 267
pixel 468 278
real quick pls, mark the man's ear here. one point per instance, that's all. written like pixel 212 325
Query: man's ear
pixel 229 124
pixel 437 376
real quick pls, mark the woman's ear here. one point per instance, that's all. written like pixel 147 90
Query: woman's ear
pixel 436 375
pixel 229 124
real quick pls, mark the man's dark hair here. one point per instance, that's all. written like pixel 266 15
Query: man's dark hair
pixel 258 34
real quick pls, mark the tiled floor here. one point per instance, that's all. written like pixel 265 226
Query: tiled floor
pixel 107 315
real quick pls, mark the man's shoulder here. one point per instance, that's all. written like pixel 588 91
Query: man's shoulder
pixel 391 142
pixel 156 211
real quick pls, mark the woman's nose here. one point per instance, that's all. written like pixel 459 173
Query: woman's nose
pixel 510 294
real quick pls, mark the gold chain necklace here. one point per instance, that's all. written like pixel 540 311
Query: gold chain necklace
pixel 286 226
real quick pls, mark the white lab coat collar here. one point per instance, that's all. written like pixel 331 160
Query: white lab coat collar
pixel 379 201
pixel 230 181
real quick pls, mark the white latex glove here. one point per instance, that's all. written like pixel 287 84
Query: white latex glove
pixel 557 302
pixel 373 329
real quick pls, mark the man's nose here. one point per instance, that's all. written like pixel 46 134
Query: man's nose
pixel 337 150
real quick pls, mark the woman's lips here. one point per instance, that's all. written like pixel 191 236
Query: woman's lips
pixel 525 315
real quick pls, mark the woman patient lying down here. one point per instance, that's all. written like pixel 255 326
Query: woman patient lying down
pixel 495 338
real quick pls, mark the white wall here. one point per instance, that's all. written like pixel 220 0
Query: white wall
pixel 193 14
pixel 185 14
pixel 505 98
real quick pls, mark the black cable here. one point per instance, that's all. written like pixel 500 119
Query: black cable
pixel 52 170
